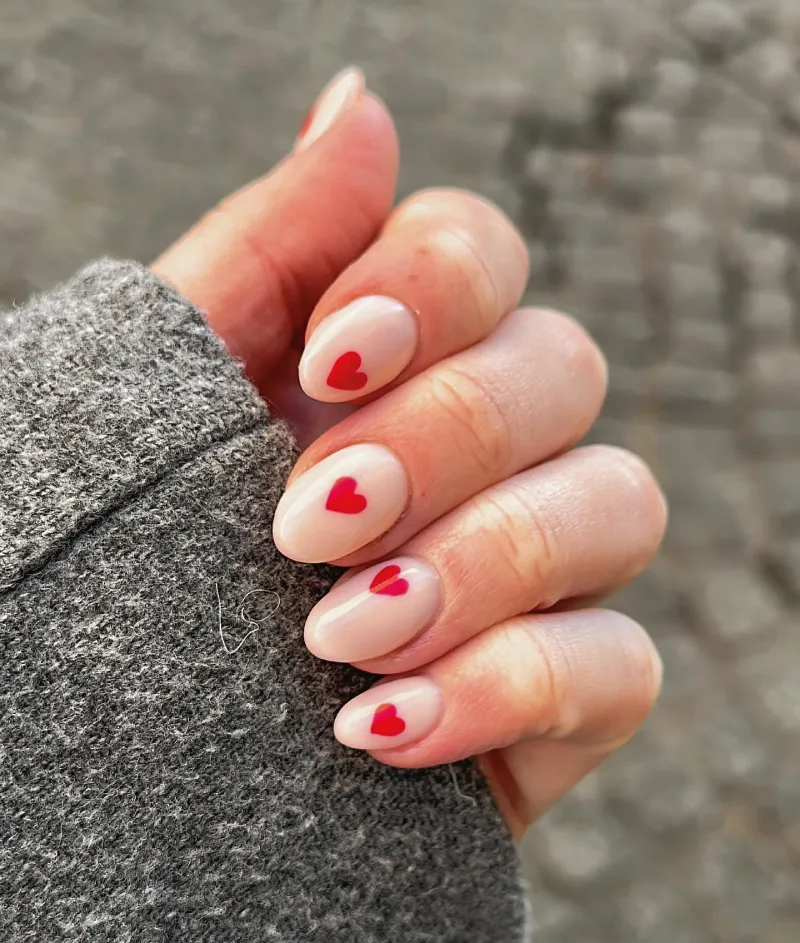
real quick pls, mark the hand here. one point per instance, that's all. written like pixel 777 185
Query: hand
pixel 442 467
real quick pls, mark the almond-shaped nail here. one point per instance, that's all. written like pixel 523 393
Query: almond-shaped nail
pixel 341 504
pixel 390 715
pixel 375 611
pixel 339 94
pixel 358 349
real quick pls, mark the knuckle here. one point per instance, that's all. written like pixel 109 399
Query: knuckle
pixel 480 420
pixel 477 242
pixel 606 700
pixel 641 670
pixel 457 244
pixel 576 366
pixel 451 203
pixel 433 209
pixel 627 481
pixel 582 356
pixel 526 543
pixel 646 497
pixel 555 710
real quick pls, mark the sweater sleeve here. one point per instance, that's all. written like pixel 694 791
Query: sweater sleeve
pixel 167 768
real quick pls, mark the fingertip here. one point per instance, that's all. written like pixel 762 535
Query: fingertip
pixel 363 146
pixel 377 129
pixel 343 91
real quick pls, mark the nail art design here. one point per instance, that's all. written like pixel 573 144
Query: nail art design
pixel 345 374
pixel 338 95
pixel 386 723
pixel 342 503
pixel 374 612
pixel 307 122
pixel 391 714
pixel 343 498
pixel 388 582
pixel 358 349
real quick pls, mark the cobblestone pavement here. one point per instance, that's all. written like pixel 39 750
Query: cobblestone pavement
pixel 651 152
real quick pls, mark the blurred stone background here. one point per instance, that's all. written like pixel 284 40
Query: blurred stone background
pixel 650 150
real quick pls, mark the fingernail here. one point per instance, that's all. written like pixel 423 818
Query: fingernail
pixel 338 95
pixel 390 715
pixel 341 504
pixel 374 612
pixel 358 349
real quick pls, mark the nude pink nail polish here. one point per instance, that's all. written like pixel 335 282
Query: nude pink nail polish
pixel 358 349
pixel 337 96
pixel 374 612
pixel 341 504
pixel 390 715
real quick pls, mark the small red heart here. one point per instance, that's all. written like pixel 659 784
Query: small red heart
pixel 386 723
pixel 345 374
pixel 344 499
pixel 386 582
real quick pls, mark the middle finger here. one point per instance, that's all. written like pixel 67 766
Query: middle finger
pixel 529 391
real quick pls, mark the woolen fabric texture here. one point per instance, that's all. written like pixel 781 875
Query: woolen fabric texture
pixel 167 766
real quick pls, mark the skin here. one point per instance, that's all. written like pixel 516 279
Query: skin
pixel 523 531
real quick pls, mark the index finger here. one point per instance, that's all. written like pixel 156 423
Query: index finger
pixel 446 269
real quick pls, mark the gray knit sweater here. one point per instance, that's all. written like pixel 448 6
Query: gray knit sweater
pixel 167 768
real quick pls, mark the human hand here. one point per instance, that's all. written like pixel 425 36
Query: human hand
pixel 441 423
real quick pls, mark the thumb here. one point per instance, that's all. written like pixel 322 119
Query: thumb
pixel 259 262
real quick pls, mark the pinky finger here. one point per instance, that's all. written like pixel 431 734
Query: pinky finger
pixel 585 679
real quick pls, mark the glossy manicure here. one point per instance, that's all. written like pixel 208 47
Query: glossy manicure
pixel 358 349
pixel 390 715
pixel 338 95
pixel 341 504
pixel 374 612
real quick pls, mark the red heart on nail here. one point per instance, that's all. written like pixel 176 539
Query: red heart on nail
pixel 345 374
pixel 386 723
pixel 344 499
pixel 386 582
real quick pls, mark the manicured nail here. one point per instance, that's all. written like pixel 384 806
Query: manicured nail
pixel 390 715
pixel 358 349
pixel 338 95
pixel 341 504
pixel 374 612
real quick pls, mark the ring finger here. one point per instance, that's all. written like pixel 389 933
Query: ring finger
pixel 545 535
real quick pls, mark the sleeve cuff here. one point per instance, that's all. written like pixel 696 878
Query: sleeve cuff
pixel 108 382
